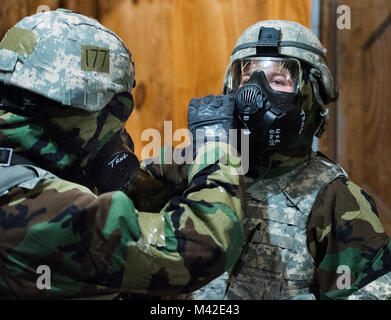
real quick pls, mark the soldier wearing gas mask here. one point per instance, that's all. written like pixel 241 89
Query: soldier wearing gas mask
pixel 310 233
pixel 67 169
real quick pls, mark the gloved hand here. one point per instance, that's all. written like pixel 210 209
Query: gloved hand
pixel 156 184
pixel 213 117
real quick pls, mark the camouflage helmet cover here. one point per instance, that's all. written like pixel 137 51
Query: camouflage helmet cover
pixel 66 57
pixel 294 42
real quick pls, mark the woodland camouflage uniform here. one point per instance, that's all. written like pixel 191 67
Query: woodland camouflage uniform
pixel 305 219
pixel 97 246
pixel 343 227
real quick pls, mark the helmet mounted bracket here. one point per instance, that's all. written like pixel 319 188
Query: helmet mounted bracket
pixel 268 42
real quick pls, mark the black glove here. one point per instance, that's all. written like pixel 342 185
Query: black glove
pixel 213 116
pixel 115 166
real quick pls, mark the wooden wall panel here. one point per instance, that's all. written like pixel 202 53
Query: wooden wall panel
pixel 146 27
pixel 328 142
pixel 88 7
pixel 182 48
pixel 363 117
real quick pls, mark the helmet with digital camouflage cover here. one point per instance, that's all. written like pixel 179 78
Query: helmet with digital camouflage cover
pixel 279 76
pixel 66 57
pixel 72 78
pixel 292 40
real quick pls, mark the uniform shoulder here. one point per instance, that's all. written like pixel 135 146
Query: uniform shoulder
pixel 346 199
pixel 62 185
pixel 346 213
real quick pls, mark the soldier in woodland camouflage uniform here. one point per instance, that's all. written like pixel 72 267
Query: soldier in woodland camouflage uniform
pixel 65 94
pixel 309 232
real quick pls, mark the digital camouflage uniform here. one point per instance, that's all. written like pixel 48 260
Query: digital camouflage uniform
pixel 98 246
pixel 306 223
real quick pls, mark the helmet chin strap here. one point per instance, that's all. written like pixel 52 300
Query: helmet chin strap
pixel 324 112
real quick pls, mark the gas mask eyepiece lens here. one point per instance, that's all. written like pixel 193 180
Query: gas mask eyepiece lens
pixel 283 74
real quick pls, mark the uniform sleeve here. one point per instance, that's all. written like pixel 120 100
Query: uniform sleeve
pixel 158 181
pixel 98 246
pixel 196 236
pixel 347 241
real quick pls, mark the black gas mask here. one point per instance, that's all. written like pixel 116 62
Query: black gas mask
pixel 272 118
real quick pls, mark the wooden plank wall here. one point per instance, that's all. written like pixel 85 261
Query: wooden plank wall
pixel 181 47
pixel 359 135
